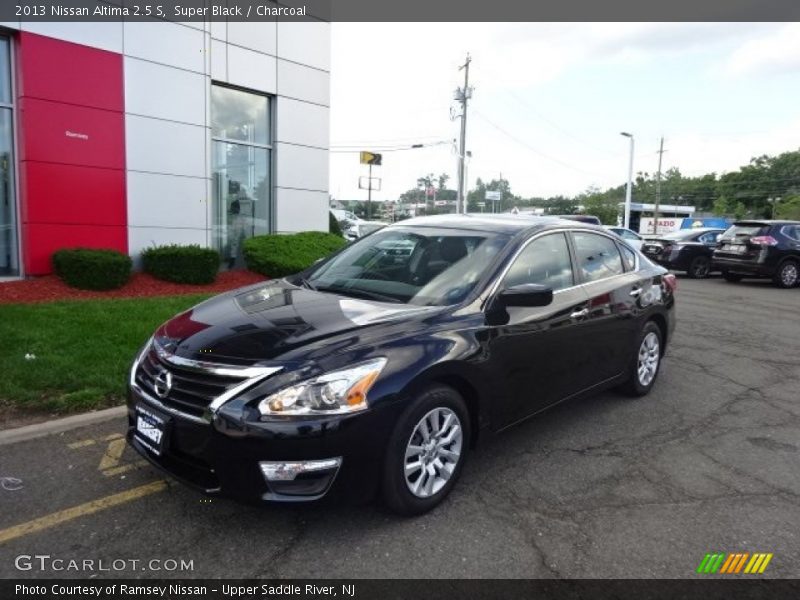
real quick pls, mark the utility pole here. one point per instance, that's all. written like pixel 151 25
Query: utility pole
pixel 658 186
pixel 463 95
pixel 369 194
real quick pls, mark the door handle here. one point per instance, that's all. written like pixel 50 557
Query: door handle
pixel 579 314
pixel 636 292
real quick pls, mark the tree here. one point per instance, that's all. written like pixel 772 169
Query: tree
pixel 788 208
pixel 603 205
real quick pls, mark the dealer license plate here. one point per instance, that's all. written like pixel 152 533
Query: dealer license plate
pixel 152 429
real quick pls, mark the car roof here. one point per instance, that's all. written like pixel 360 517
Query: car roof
pixel 495 223
pixel 766 222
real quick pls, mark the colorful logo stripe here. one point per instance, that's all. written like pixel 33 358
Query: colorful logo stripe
pixel 734 562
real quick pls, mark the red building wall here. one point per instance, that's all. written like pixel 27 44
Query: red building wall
pixel 71 149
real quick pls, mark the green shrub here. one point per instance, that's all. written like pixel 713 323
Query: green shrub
pixel 181 264
pixel 92 269
pixel 280 255
pixel 333 225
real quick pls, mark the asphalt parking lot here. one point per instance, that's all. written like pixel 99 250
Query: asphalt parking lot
pixel 607 487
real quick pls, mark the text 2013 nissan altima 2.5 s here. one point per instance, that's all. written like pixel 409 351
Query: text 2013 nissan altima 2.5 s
pixel 379 367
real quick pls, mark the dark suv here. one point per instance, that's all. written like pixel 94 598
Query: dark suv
pixel 760 249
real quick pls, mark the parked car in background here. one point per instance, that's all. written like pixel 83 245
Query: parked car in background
pixel 591 219
pixel 378 368
pixel 689 250
pixel 756 248
pixel 629 235
pixel 356 229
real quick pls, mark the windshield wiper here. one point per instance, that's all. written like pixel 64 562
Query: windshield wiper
pixel 307 284
pixel 359 293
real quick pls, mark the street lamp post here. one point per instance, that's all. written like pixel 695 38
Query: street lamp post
pixel 627 217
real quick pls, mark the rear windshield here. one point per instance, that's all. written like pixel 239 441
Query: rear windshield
pixel 745 230
pixel 681 234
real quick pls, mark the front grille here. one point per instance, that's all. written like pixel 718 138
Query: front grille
pixel 191 392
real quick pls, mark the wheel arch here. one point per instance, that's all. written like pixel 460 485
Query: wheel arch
pixel 465 387
pixel 661 323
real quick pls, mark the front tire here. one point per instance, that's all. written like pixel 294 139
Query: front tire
pixel 787 275
pixel 699 268
pixel 646 363
pixel 426 451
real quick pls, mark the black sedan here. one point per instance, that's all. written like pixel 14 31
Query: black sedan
pixel 689 250
pixel 376 370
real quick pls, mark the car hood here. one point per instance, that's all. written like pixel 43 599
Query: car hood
pixel 276 320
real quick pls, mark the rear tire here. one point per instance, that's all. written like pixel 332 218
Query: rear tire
pixel 426 452
pixel 787 275
pixel 699 268
pixel 731 277
pixel 646 362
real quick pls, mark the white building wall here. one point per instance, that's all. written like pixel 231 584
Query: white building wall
pixel 168 71
pixel 291 61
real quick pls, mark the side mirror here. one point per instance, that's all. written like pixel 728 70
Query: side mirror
pixel 527 294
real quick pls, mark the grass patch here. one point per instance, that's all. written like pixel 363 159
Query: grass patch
pixel 83 350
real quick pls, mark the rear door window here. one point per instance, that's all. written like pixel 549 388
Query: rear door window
pixel 598 256
pixel 791 231
pixel 628 257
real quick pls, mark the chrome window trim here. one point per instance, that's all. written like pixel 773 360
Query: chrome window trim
pixel 565 230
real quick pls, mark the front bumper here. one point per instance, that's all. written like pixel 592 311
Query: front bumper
pixel 225 458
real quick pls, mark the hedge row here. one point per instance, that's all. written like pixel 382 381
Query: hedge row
pixel 181 264
pixel 281 255
pixel 92 269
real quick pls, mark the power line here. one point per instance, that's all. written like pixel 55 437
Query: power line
pixel 391 149
pixel 532 149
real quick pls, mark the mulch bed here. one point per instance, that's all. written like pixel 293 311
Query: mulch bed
pixel 141 285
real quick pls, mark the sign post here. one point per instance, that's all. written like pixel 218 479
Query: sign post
pixel 494 196
pixel 370 158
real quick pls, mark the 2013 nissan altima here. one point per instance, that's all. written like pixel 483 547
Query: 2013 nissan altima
pixel 379 367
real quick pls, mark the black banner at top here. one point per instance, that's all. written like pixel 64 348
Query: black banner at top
pixel 400 10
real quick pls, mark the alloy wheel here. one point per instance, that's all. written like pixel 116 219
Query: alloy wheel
pixel 649 355
pixel 789 274
pixel 701 268
pixel 433 452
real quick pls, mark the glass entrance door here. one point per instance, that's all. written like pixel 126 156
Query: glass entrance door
pixel 9 246
pixel 241 147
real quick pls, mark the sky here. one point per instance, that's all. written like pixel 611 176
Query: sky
pixel 551 99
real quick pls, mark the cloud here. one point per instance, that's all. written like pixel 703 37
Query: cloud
pixel 773 52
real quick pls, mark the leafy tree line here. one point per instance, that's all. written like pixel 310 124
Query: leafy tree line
pixel 767 187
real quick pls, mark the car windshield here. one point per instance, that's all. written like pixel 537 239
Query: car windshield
pixel 423 266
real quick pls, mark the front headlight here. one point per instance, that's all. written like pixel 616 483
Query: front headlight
pixel 338 392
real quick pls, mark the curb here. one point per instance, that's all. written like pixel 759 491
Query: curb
pixel 30 432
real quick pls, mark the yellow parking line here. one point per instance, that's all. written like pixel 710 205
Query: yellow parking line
pixel 62 516
pixel 124 468
pixel 113 453
pixel 80 444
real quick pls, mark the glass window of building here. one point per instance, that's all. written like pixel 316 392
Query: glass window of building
pixel 241 158
pixel 9 244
